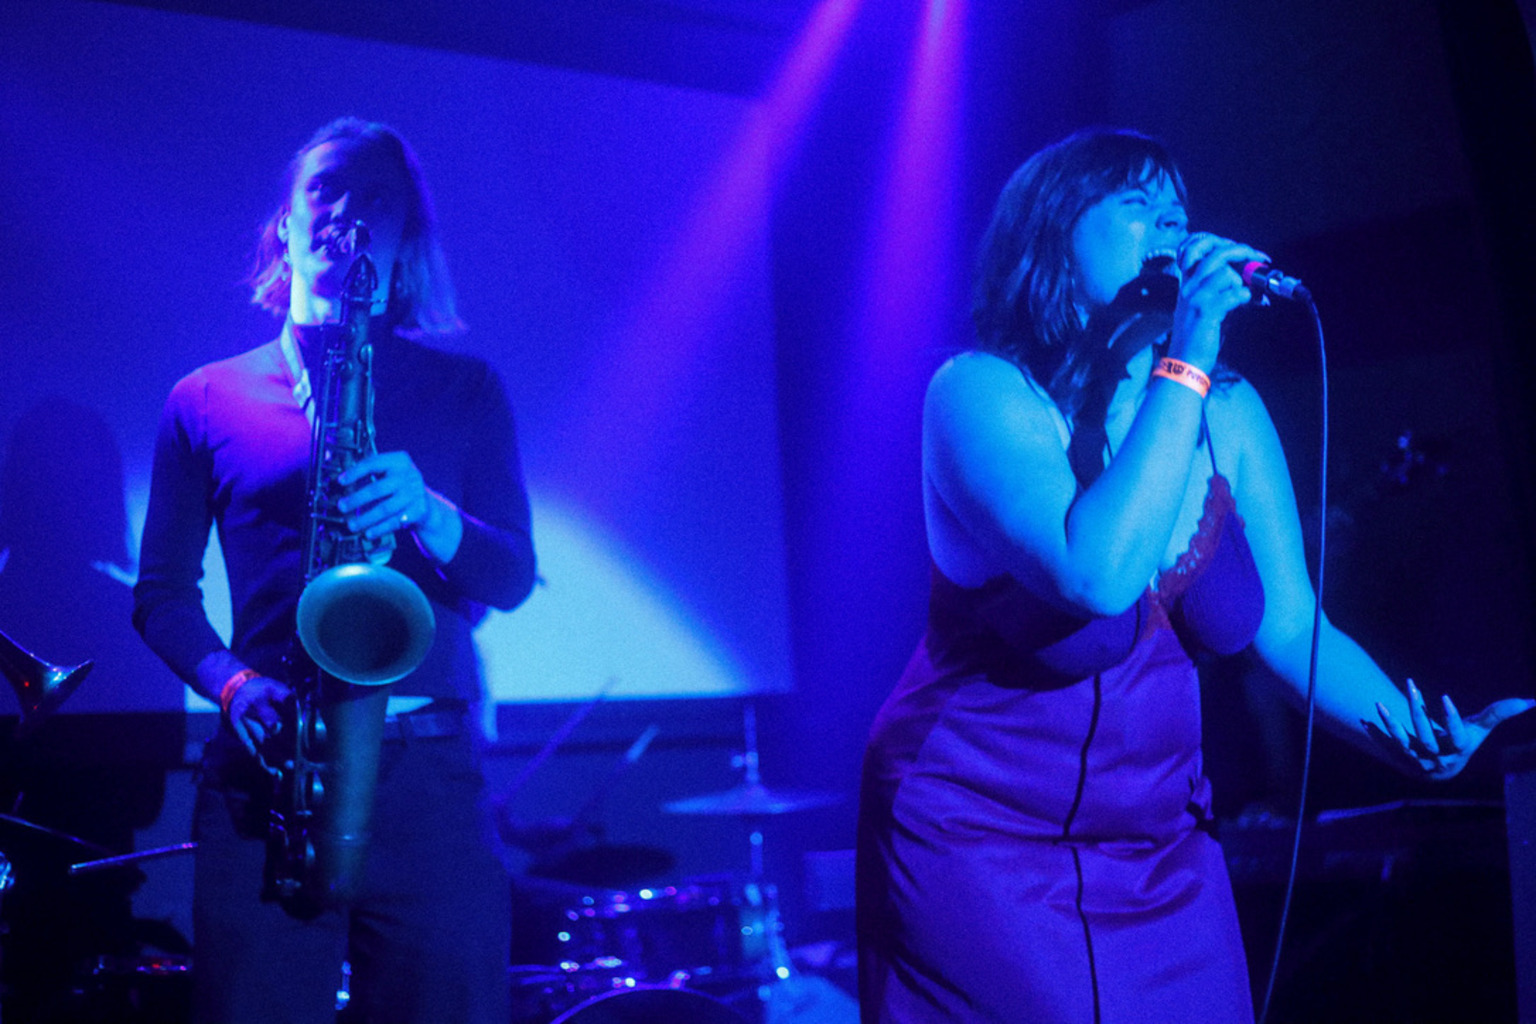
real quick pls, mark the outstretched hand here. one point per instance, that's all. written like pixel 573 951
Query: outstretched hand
pixel 1440 751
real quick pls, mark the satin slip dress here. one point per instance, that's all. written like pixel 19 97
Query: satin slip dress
pixel 1033 827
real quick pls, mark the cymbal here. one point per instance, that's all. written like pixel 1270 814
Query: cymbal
pixel 751 799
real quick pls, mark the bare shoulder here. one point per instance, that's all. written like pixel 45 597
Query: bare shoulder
pixel 1236 412
pixel 996 479
pixel 975 369
pixel 1247 445
pixel 1236 402
pixel 977 392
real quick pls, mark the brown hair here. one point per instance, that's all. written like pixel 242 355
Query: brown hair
pixel 1022 304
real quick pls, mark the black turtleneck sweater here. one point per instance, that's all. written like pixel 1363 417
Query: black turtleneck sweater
pixel 233 450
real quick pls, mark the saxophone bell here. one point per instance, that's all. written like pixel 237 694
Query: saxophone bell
pixel 365 624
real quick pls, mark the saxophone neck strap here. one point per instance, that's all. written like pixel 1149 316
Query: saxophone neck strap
pixel 298 373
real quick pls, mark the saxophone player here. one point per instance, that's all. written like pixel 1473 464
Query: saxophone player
pixel 427 934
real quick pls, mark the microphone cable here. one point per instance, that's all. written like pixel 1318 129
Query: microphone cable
pixel 1317 633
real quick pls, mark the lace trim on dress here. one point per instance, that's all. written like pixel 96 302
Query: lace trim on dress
pixel 1218 505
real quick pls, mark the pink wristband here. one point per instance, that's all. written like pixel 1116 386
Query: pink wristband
pixel 1182 373
pixel 232 686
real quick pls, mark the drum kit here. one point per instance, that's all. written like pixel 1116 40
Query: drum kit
pixel 38 863
pixel 708 949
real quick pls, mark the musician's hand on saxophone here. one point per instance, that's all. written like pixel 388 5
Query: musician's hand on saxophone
pixel 391 496
pixel 256 712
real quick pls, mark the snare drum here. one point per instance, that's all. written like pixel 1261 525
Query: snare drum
pixel 697 929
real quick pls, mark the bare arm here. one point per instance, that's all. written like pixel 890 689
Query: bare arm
pixel 992 453
pixel 1354 695
pixel 1000 483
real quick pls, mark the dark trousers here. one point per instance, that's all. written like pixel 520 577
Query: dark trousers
pixel 428 938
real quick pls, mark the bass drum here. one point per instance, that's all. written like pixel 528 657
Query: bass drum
pixel 651 1006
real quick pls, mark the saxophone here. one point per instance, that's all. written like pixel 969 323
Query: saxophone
pixel 361 624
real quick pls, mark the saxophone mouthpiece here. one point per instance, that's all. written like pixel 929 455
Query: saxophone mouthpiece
pixel 343 241
pixel 357 238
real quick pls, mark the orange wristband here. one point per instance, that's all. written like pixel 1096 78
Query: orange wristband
pixel 1183 373
pixel 232 686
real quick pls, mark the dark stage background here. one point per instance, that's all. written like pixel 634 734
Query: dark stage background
pixel 717 247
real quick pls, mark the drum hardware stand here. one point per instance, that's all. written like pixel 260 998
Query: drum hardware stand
pixel 560 846
pixel 582 818
pixel 753 802
pixel 759 892
pixel 553 744
pixel 87 866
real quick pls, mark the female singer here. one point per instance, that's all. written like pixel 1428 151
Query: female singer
pixel 428 935
pixel 1033 841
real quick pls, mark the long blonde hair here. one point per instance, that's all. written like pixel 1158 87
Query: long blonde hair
pixel 421 296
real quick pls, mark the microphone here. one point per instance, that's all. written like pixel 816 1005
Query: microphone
pixel 1261 278
pixel 1264 280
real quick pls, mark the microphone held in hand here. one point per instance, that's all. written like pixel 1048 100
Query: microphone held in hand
pixel 1261 278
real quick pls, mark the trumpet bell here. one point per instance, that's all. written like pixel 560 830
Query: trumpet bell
pixel 40 687
pixel 365 624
